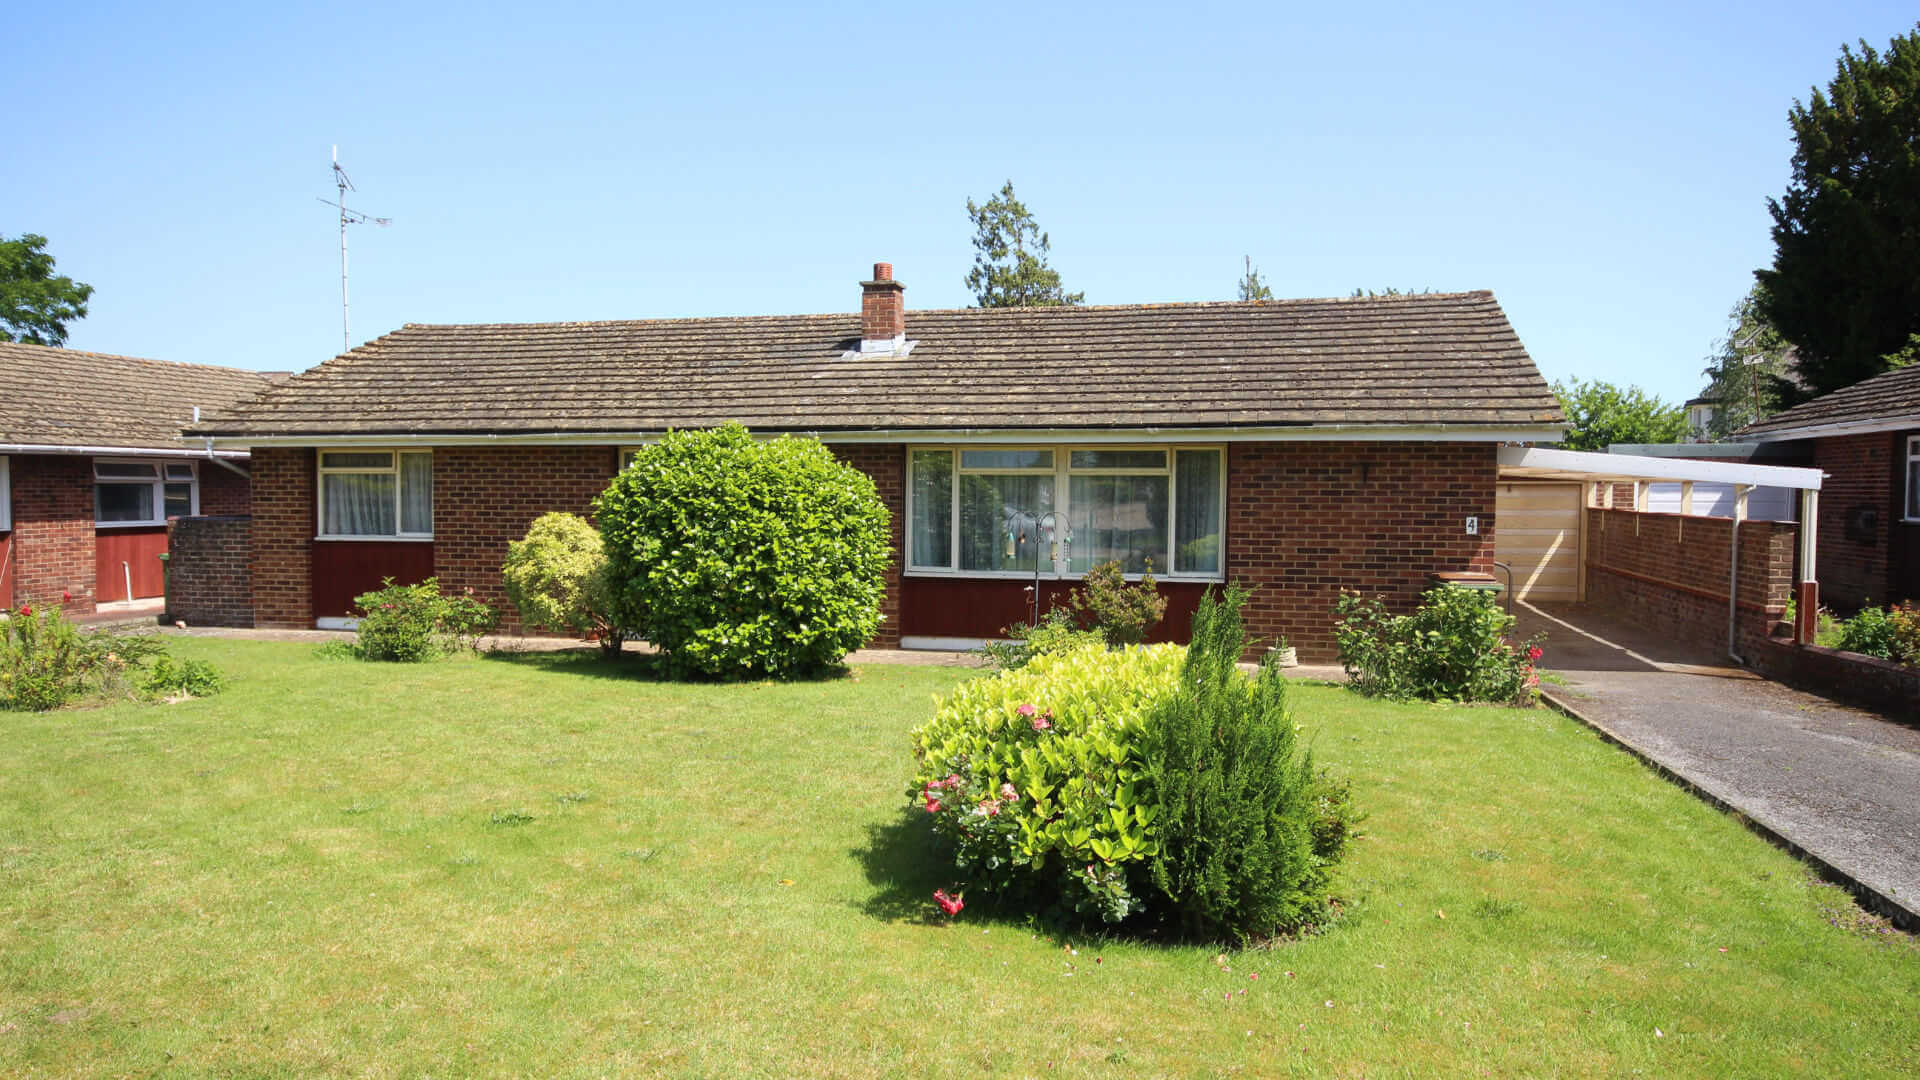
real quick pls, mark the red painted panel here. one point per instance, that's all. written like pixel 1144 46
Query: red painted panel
pixel 343 569
pixel 6 570
pixel 119 554
pixel 984 607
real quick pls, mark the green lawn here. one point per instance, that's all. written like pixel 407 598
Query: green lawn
pixel 536 866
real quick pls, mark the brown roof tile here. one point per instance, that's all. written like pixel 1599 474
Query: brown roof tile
pixel 1890 399
pixel 63 397
pixel 1444 359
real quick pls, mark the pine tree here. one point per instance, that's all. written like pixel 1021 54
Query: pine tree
pixel 1010 257
pixel 1251 287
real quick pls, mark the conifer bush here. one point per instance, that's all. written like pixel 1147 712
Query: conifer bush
pixel 742 558
pixel 556 576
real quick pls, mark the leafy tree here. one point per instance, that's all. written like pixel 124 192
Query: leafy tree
pixel 1844 288
pixel 1747 369
pixel 1251 287
pixel 1010 257
pixel 1600 414
pixel 35 304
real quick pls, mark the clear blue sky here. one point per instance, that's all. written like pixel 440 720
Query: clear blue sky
pixel 1605 171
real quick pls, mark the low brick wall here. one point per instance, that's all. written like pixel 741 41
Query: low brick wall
pixel 1671 571
pixel 210 576
pixel 1881 685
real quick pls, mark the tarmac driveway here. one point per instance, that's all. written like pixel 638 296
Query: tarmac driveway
pixel 1841 784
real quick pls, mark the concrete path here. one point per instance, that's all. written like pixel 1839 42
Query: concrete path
pixel 1839 784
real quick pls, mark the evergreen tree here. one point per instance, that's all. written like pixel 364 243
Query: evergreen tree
pixel 1747 369
pixel 1251 287
pixel 1844 288
pixel 1010 257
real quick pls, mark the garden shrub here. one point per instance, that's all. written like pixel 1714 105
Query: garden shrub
pixel 1905 622
pixel 1034 774
pixel 1871 632
pixel 738 557
pixel 1056 633
pixel 1144 783
pixel 46 661
pixel 412 623
pixel 1454 647
pixel 1122 613
pixel 181 678
pixel 557 578
pixel 1247 832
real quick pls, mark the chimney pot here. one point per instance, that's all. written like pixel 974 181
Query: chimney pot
pixel 883 271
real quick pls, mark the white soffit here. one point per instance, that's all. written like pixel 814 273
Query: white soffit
pixel 1536 463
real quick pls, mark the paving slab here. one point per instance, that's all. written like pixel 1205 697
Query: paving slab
pixel 1839 784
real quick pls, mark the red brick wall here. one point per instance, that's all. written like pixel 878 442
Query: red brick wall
pixel 283 528
pixel 1671 571
pixel 486 496
pixel 1307 519
pixel 53 530
pixel 886 463
pixel 1853 552
pixel 223 492
pixel 210 574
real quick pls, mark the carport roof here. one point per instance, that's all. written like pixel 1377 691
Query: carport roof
pixel 1537 463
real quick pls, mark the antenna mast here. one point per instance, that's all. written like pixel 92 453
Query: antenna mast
pixel 347 217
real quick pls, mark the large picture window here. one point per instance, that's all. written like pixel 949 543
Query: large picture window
pixel 978 510
pixel 129 493
pixel 376 493
pixel 1913 478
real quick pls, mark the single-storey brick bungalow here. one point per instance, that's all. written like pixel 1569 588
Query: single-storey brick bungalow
pixel 1299 446
pixel 92 466
pixel 1866 438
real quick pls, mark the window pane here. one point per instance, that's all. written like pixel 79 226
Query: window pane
pixel 1119 518
pixel 1119 459
pixel 180 472
pixel 416 493
pixel 124 502
pixel 931 540
pixel 1913 483
pixel 994 507
pixel 1006 459
pixel 179 500
pixel 356 461
pixel 1196 535
pixel 357 504
pixel 124 469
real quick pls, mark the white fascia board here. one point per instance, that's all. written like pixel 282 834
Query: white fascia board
pixel 115 451
pixel 1015 436
pixel 1826 431
pixel 1583 465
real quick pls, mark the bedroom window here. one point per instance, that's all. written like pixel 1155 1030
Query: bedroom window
pixel 1913 478
pixel 370 494
pixel 969 506
pixel 130 493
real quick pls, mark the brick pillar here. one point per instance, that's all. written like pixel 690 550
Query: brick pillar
pixel 283 530
pixel 886 464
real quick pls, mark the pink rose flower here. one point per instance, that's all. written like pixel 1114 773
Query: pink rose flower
pixel 1008 794
pixel 1534 653
pixel 933 804
pixel 1043 721
pixel 949 904
pixel 1026 710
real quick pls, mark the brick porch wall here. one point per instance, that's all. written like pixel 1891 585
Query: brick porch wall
pixel 1853 568
pixel 1308 519
pixel 53 530
pixel 484 497
pixel 283 529
pixel 209 574
pixel 1671 571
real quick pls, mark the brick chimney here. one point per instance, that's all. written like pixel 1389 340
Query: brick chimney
pixel 883 312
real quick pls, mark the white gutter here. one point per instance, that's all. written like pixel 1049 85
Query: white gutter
pixel 115 451
pixel 1585 465
pixel 1851 427
pixel 1012 436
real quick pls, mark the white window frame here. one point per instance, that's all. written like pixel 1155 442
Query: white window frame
pixel 321 470
pixel 1912 501
pixel 6 495
pixel 158 483
pixel 1061 472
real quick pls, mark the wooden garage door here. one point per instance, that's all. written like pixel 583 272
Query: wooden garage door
pixel 1537 532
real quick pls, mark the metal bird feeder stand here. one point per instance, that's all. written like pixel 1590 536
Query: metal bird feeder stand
pixel 1059 546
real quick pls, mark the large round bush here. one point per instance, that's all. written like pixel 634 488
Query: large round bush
pixel 738 557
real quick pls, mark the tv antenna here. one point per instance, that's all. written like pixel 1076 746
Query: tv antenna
pixel 347 217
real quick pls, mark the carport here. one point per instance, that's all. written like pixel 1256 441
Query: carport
pixel 1598 474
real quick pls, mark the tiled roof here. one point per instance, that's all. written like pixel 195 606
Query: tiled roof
pixel 1437 359
pixel 1887 401
pixel 62 397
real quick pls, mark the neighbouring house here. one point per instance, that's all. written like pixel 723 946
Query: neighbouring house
pixel 1300 446
pixel 92 467
pixel 1866 438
